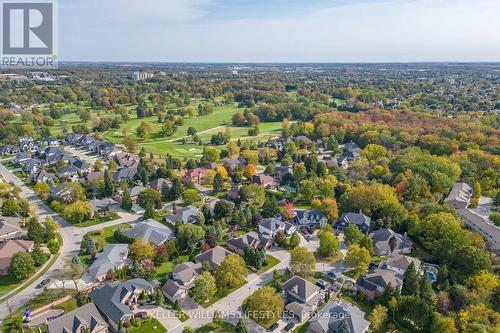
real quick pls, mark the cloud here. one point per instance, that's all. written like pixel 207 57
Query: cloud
pixel 390 30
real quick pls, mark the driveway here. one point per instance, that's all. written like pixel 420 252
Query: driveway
pixel 165 316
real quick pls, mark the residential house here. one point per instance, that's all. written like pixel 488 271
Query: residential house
pixel 63 193
pixel 113 257
pixel 135 191
pixel 374 283
pixel 302 297
pixel 362 221
pixel 9 150
pixel 27 143
pixel 351 147
pixel 399 264
pixel 268 182
pixel 284 173
pixel 195 176
pixel 68 173
pixel 387 242
pixel 31 165
pixel 21 157
pixel 95 146
pixel 250 239
pixel 10 227
pixel 82 167
pixel 84 141
pixel 336 315
pixel 311 218
pixel 72 138
pixel 234 192
pixel 184 274
pixel 43 176
pixel 103 205
pixel 115 300
pixel 94 176
pixel 232 164
pixel 83 319
pixel 50 142
pixel 482 225
pixel 188 214
pixel 126 160
pixel 159 183
pixel 302 141
pixel 11 247
pixel 125 174
pixel 213 257
pixel 150 231
pixel 272 226
pixel 459 196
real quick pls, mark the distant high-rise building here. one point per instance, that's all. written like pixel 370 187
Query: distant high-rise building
pixel 141 76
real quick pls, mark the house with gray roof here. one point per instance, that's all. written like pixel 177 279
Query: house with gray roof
pixel 124 174
pixel 337 315
pixel 10 228
pixel 213 257
pixel 311 218
pixel 374 283
pixel 174 291
pixel 43 176
pixel 9 150
pixel 113 257
pixel 150 231
pixel 68 173
pixel 399 263
pixel 482 225
pixel 301 297
pixel 459 196
pixel 188 214
pixel 83 319
pixel 114 300
pixel 387 242
pixel 20 157
pixel 272 226
pixel 103 205
pixel 362 221
pixel 250 239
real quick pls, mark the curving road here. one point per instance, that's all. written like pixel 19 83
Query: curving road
pixel 71 236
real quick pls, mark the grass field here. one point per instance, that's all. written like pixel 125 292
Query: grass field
pixel 225 328
pixel 149 325
pixel 206 126
pixel 271 262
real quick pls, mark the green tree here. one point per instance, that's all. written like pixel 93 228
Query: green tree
pixel 78 211
pixel 109 186
pixel 218 183
pixel 36 231
pixel 151 197
pixel 188 235
pixel 265 305
pixel 410 281
pixel 126 199
pixel 191 196
pixel 358 258
pixel 22 266
pixel 253 193
pixel 352 235
pixel 240 327
pixel 302 262
pixel 10 207
pixel 141 250
pixel 231 272
pixel 204 288
pixel 378 318
pixel 294 240
pixel 328 243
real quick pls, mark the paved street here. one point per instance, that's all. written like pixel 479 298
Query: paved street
pixel 72 237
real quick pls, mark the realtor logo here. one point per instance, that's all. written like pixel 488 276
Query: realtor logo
pixel 28 33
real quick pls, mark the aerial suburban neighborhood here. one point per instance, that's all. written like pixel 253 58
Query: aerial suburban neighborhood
pixel 247 198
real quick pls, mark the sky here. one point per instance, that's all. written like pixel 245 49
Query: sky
pixel 279 30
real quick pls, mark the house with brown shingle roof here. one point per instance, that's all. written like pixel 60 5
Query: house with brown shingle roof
pixel 9 249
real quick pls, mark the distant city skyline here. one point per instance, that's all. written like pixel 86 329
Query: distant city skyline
pixel 279 31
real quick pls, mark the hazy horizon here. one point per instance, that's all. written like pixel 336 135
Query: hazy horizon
pixel 279 31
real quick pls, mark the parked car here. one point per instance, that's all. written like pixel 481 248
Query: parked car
pixel 322 283
pixel 289 327
pixel 43 283
pixel 140 315
pixel 273 327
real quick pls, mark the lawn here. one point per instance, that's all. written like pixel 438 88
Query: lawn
pixel 301 328
pixel 208 328
pixel 8 283
pixel 271 262
pixel 106 217
pixel 163 270
pixel 102 238
pixel 330 259
pixel 68 305
pixel 149 325
pixel 221 295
